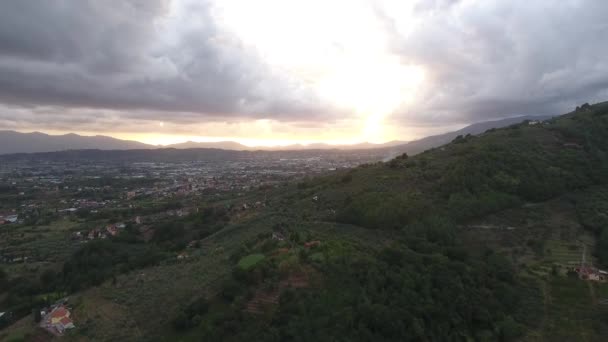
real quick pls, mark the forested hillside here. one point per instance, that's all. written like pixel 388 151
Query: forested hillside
pixel 476 175
pixel 428 278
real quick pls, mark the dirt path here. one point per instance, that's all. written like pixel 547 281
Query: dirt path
pixel 546 303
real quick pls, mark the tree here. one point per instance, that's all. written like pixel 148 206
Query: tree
pixel 3 278
pixel 510 330
pixel 347 178
pixel 37 315
pixel 458 140
pixel 47 278
pixel 182 322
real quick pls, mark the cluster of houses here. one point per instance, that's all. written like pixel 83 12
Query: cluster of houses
pixel 147 232
pixel 591 273
pixel 56 319
pixel 92 205
pixel 8 217
pixel 99 233
pixel 11 259
pixel 87 203
pixel 278 236
pixel 182 256
pixel 178 212
pixel 247 206
pixel 310 244
pixel 163 215
pixel 179 189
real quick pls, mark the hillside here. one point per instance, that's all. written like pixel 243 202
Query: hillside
pixel 473 240
pixel 426 143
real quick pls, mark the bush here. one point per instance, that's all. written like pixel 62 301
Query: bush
pixel 510 330
pixel 347 178
pixel 250 261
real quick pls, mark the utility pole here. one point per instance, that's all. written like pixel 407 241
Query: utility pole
pixel 583 257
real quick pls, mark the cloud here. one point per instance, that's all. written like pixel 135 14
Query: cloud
pixel 490 59
pixel 95 65
pixel 138 55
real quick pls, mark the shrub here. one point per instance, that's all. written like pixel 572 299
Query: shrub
pixel 250 261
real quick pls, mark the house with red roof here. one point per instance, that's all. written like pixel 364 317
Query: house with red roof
pixel 58 320
pixel 312 244
pixel 112 229
pixel 591 273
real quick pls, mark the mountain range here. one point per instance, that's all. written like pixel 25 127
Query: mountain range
pixel 16 142
pixel 232 145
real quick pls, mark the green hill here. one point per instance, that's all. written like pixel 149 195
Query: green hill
pixel 471 241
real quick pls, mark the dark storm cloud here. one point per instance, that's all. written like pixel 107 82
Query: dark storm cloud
pixel 488 59
pixel 115 55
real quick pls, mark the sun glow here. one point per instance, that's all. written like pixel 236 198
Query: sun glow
pixel 374 88
pixel 344 57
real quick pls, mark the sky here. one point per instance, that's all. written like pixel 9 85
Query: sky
pixel 270 72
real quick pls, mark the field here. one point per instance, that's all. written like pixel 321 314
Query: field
pixel 47 243
pixel 250 261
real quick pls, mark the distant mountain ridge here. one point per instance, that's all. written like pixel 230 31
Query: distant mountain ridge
pixel 223 145
pixel 16 142
pixel 232 145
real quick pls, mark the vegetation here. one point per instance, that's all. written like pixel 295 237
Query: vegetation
pixel 99 260
pixel 593 213
pixel 251 260
pixel 432 276
pixel 472 241
pixel 476 176
pixel 80 267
